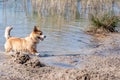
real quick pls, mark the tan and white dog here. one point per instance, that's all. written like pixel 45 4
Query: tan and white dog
pixel 27 44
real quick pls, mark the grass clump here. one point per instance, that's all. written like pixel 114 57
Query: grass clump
pixel 104 23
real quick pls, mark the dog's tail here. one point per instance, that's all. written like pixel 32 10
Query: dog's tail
pixel 7 32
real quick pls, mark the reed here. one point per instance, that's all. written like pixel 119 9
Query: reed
pixel 69 8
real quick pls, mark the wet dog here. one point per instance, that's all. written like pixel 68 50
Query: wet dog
pixel 27 44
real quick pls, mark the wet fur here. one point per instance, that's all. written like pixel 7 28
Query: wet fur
pixel 27 44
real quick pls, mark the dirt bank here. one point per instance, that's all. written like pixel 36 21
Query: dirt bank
pixel 102 64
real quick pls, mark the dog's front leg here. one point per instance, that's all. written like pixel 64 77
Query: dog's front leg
pixel 34 51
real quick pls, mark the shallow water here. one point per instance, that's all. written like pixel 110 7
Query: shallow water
pixel 64 36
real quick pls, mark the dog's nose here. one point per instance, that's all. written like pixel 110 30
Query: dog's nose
pixel 44 36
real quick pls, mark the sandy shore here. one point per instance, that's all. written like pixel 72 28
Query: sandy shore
pixel 103 63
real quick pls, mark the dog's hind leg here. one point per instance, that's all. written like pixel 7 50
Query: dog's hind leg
pixel 8 50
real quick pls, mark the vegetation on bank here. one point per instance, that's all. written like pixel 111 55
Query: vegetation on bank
pixel 103 23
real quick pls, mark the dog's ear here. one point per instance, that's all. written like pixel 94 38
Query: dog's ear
pixel 35 28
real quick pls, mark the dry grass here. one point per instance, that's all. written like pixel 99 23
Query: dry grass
pixel 104 23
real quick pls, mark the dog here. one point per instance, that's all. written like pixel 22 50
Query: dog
pixel 27 44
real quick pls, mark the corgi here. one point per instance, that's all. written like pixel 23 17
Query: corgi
pixel 27 44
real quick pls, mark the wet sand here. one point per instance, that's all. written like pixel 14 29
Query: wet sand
pixel 102 63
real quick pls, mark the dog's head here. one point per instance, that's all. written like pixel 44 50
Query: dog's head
pixel 37 34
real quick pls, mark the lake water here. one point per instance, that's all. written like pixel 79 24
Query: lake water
pixel 65 35
pixel 62 35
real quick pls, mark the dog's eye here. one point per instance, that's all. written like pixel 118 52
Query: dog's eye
pixel 40 33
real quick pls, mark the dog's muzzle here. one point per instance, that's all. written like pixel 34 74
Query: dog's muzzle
pixel 42 37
